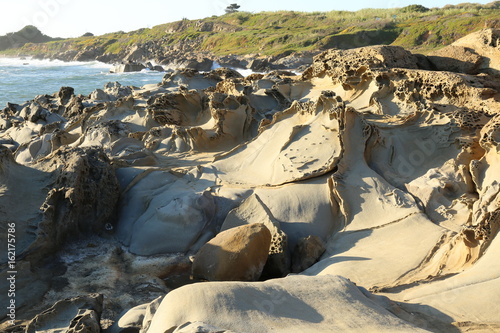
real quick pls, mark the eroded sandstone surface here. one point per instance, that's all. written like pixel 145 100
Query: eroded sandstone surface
pixel 387 159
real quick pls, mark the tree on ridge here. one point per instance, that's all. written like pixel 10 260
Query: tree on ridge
pixel 232 8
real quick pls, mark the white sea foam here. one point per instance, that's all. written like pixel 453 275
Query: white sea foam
pixel 29 61
pixel 23 79
pixel 244 71
pixel 215 65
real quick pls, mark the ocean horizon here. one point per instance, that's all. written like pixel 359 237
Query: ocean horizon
pixel 21 79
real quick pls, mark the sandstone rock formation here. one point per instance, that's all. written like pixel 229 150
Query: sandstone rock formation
pixel 292 304
pixel 391 163
pixel 237 254
pixel 130 321
pixel 252 210
pixel 473 54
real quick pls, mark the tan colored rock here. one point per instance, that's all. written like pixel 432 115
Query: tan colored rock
pixel 150 312
pixel 355 62
pixel 237 254
pixel 458 59
pixel 314 127
pixel 385 80
pixel 475 53
pixel 250 211
pixel 486 43
pixel 253 210
pixel 292 304
pixel 375 213
pixel 135 53
pixel 130 321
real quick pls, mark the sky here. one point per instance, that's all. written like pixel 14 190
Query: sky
pixel 73 18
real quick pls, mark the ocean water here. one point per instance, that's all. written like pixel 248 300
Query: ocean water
pixel 22 79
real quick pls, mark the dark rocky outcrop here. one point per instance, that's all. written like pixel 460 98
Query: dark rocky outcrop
pixel 127 67
pixel 76 315
pixel 307 252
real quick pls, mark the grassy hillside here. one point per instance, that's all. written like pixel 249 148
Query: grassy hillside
pixel 270 33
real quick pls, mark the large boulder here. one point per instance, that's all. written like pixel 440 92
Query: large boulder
pixel 292 304
pixel 65 94
pixel 253 210
pixel 237 254
pixel 127 67
pixel 130 321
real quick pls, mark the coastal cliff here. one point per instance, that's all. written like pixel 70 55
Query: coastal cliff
pixel 272 40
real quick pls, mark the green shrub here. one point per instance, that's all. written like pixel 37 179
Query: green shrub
pixel 414 9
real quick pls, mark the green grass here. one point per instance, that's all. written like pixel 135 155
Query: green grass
pixel 442 30
pixel 270 33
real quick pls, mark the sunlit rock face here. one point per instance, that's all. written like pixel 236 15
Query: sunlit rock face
pixel 391 164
